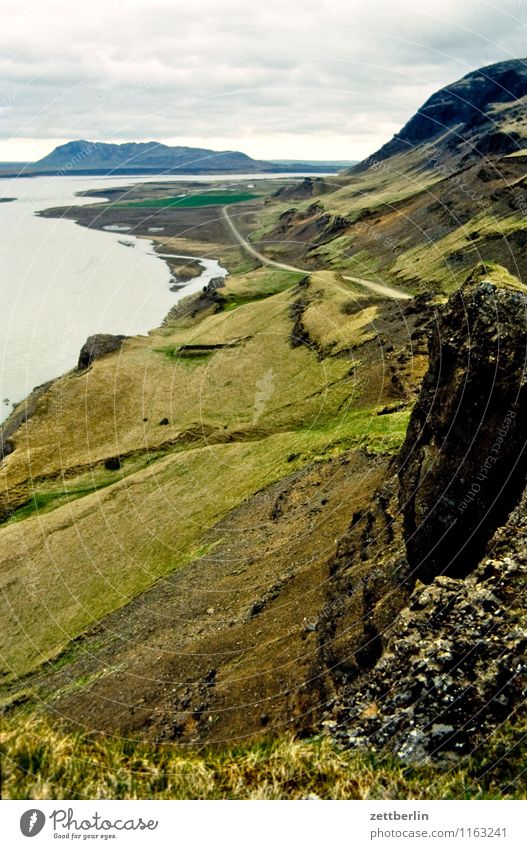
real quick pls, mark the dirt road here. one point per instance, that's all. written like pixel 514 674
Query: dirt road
pixel 378 288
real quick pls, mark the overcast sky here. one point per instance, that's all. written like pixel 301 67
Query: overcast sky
pixel 321 79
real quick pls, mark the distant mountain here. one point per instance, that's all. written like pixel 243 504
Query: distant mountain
pixel 482 114
pixel 139 157
pixel 81 157
pixel 320 164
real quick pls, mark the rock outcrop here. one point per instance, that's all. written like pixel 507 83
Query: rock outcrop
pixel 463 465
pixel 422 669
pixel 97 346
pixel 453 669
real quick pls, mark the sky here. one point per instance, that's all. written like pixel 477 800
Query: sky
pixel 323 79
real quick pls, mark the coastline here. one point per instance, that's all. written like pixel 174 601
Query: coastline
pixel 19 415
pixel 191 274
pixel 186 272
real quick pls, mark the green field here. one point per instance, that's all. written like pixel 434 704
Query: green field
pixel 205 199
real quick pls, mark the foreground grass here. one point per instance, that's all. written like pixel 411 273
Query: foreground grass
pixel 39 762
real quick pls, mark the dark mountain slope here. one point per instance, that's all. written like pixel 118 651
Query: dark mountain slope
pixel 482 113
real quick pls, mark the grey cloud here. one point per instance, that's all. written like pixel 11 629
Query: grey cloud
pixel 230 69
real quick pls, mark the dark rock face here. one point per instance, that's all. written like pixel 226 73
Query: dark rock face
pixel 431 670
pixel 463 465
pixel 97 346
pixel 369 585
pixel 6 447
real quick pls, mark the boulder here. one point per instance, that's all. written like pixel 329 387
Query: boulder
pixel 97 346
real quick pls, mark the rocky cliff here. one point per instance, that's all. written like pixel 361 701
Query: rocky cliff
pixel 444 543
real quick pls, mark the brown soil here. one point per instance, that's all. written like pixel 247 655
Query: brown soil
pixel 227 647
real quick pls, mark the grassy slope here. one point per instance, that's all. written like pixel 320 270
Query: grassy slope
pixel 84 540
pixel 414 226
pixel 90 544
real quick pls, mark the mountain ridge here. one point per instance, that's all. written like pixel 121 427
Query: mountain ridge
pixel 85 156
pixel 465 115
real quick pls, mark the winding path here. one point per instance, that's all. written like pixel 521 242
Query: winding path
pixel 378 288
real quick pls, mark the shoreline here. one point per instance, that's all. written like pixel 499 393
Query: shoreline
pixel 186 270
pixel 24 409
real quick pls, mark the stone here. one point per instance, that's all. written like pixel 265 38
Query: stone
pixel 97 346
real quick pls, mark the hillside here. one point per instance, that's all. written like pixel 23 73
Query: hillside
pixel 482 114
pixel 299 506
pixel 446 193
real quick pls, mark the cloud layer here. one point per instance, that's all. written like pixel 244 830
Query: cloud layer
pixel 307 79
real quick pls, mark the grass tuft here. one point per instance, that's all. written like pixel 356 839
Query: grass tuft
pixel 40 762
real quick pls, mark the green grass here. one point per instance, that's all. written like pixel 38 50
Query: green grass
pixel 234 301
pixel 205 199
pixel 44 501
pixel 213 455
pixel 177 355
pixel 363 428
pixel 95 583
pixel 42 762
